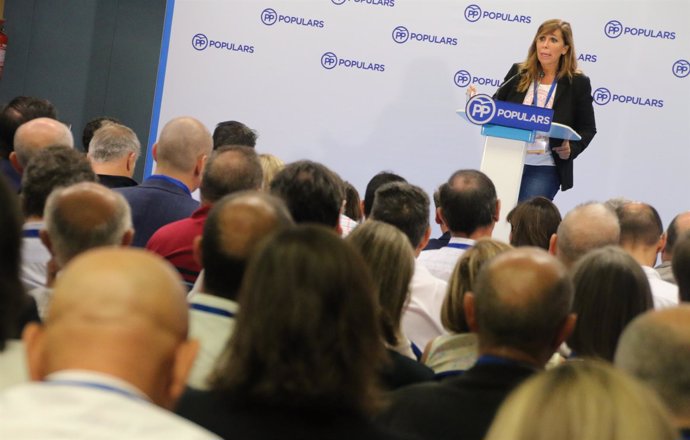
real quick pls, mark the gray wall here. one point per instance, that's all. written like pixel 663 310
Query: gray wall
pixel 89 57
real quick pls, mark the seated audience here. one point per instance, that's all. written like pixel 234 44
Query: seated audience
pixel 235 226
pixel 113 350
pixel 183 146
pixel 304 358
pixel 35 135
pixel 582 400
pixel 451 354
pixel 610 291
pixel 681 266
pixel 113 153
pixel 383 247
pixel 228 170
pixel 406 207
pixel 442 241
pixel 54 167
pixel 374 184
pixel 655 348
pixel 679 226
pixel 270 165
pixel 533 222
pixel 352 210
pixel 642 236
pixel 470 209
pixel 92 127
pixel 520 310
pixel 233 133
pixel 69 229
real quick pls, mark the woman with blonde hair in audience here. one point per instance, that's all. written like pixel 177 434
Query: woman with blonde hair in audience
pixel 454 353
pixel 305 356
pixel 270 165
pixel 611 289
pixel 387 252
pixel 582 400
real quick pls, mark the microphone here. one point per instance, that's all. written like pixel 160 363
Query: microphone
pixel 506 82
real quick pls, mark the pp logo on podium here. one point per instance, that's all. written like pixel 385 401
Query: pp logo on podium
pixel 480 109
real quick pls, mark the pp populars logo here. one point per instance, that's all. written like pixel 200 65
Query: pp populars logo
pixel 480 109
pixel 681 68
pixel 199 42
pixel 329 60
pixel 269 17
pixel 401 34
pixel 473 13
pixel 462 78
pixel 602 96
pixel 613 29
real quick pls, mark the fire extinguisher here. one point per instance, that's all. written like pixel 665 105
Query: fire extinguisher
pixel 3 45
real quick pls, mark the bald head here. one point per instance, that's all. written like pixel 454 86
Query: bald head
pixel 120 312
pixel 37 134
pixel 586 227
pixel 640 224
pixel 234 227
pixel 182 142
pixel 71 229
pixel 679 226
pixel 655 347
pixel 522 301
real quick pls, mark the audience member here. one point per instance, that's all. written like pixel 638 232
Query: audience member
pixel 470 209
pixel 452 354
pixel 442 241
pixel 270 165
pixel 655 348
pixel 353 205
pixel 533 222
pixel 70 230
pixel 610 291
pixel 235 226
pixel 586 227
pixel 306 351
pixel 383 247
pixel 374 184
pixel 312 192
pixel 406 207
pixel 520 310
pixel 582 400
pixel 228 170
pixel 681 266
pixel 642 236
pixel 180 153
pixel 113 347
pixel 55 167
pixel 92 127
pixel 113 153
pixel 233 133
pixel 678 227
pixel 35 135
pixel 18 111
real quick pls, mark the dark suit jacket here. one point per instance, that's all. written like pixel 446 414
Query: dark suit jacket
pixel 438 243
pixel 572 106
pixel 155 203
pixel 458 408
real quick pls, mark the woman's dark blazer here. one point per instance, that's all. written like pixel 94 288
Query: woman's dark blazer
pixel 572 106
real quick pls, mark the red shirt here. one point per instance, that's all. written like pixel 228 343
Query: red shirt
pixel 174 242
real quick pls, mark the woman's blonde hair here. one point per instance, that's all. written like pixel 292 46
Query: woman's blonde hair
pixel 270 165
pixel 567 65
pixel 462 280
pixel 582 400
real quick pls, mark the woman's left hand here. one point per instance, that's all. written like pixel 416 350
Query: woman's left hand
pixel 564 150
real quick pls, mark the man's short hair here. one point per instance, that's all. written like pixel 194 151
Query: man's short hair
pixel 527 320
pixel 92 127
pixel 680 264
pixel 374 184
pixel 56 166
pixel 313 193
pixel 228 170
pixel 468 201
pixel 640 224
pixel 588 226
pixel 18 111
pixel 404 206
pixel 224 252
pixel 233 133
pixel 113 141
pixel 71 232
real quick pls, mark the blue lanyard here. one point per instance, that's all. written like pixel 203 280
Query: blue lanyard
pixel 548 96
pixel 171 180
pixel 459 245
pixel 488 359
pixel 30 233
pixel 212 310
pixel 97 386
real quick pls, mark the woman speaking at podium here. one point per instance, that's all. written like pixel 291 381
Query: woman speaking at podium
pixel 549 77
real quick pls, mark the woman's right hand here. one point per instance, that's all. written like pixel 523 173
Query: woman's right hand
pixel 471 91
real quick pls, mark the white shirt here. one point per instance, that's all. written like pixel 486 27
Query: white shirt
pixel 421 320
pixel 13 368
pixel 209 325
pixel 664 293
pixel 35 257
pixel 78 405
pixel 441 262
